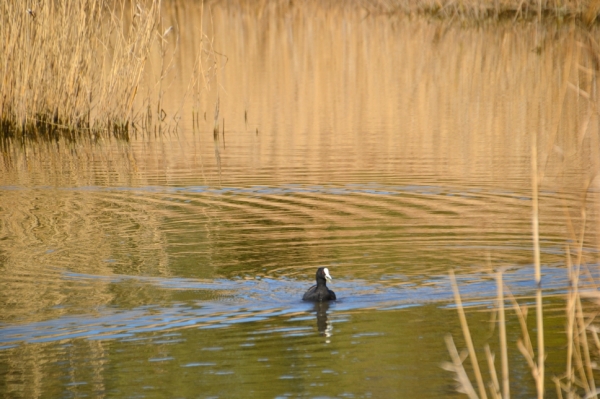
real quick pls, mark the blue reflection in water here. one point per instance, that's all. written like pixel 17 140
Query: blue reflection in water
pixel 372 189
pixel 255 300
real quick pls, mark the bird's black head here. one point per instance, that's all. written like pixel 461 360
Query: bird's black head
pixel 323 276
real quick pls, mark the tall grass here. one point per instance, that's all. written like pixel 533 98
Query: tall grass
pixel 583 344
pixel 585 11
pixel 578 381
pixel 73 68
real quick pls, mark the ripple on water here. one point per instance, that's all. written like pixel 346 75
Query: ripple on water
pixel 260 300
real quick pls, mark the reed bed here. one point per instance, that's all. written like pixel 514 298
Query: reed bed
pixel 578 380
pixel 585 11
pixel 581 351
pixel 79 69
pixel 74 69
pixel 582 332
pixel 583 342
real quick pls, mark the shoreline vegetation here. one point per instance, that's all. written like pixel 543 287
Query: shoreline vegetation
pixel 73 69
pixel 583 11
pixel 581 329
pixel 582 344
pixel 78 70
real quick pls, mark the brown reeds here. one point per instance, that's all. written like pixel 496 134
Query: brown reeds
pixel 524 344
pixel 73 68
pixel 586 11
pixel 583 344
pixel 578 381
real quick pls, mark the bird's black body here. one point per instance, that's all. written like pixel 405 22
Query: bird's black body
pixel 320 292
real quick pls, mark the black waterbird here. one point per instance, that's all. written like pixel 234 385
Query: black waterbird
pixel 320 292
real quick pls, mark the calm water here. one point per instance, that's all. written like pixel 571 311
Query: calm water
pixel 388 150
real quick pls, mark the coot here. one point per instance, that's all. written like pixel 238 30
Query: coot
pixel 320 292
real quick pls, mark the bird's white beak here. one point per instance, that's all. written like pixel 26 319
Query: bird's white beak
pixel 327 275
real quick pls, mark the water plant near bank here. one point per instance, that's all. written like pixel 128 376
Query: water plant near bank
pixel 74 68
pixel 583 341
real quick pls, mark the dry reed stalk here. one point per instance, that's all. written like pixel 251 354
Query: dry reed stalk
pixel 467 335
pixel 591 392
pixel 573 282
pixel 502 332
pixel 458 369
pixel 538 370
pixel 585 349
pixel 494 384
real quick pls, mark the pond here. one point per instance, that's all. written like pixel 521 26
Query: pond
pixel 388 149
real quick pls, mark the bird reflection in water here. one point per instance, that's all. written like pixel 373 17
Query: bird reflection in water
pixel 323 324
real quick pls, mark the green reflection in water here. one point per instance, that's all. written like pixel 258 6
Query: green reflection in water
pixel 363 354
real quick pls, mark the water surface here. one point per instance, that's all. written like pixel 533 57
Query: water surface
pixel 389 150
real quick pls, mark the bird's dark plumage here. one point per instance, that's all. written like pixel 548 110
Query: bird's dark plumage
pixel 320 292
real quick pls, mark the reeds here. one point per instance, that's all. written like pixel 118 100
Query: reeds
pixel 73 68
pixel 583 344
pixel 586 11
pixel 578 381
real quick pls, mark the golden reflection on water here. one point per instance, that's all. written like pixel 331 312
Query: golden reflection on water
pixel 391 149
pixel 341 93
